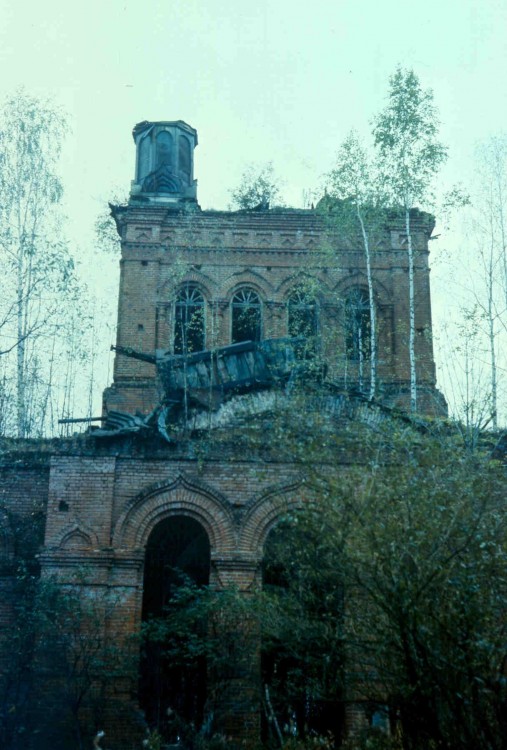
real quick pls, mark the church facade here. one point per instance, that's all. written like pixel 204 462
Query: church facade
pixel 116 512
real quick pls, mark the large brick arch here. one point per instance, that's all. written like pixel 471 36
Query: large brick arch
pixel 180 496
pixel 266 511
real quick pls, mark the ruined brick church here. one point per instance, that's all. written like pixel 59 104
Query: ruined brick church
pixel 144 492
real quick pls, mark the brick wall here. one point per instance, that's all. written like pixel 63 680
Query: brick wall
pixel 100 502
pixel 91 506
pixel 271 252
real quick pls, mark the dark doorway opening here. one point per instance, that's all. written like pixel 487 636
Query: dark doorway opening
pixel 172 689
pixel 302 681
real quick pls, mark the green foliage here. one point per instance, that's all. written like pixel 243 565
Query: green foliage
pixel 31 137
pixel 31 140
pixel 351 177
pixel 203 636
pixel 356 213
pixel 105 226
pixel 17 676
pixel 153 740
pixel 409 156
pixel 354 203
pixel 302 624
pixel 405 134
pixel 415 541
pixel 259 188
pixel 199 622
pixel 386 586
pixel 58 656
pixel 374 739
pixel 40 288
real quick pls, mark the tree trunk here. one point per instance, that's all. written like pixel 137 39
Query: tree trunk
pixel 411 296
pixel 20 364
pixel 491 338
pixel 373 340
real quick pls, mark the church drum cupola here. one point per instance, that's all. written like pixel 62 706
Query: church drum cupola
pixel 164 162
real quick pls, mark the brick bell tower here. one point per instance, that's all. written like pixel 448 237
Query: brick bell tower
pixel 164 185
pixel 181 263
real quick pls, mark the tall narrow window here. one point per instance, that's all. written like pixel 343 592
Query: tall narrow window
pixel 184 159
pixel 144 158
pixel 164 149
pixel 246 316
pixel 189 321
pixel 357 325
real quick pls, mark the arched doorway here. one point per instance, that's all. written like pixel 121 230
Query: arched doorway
pixel 172 688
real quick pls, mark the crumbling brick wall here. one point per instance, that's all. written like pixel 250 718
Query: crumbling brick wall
pixel 270 252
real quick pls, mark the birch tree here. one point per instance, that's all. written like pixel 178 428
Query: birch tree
pixel 410 155
pixel 490 234
pixel 351 182
pixel 473 360
pixel 493 176
pixel 487 303
pixel 37 265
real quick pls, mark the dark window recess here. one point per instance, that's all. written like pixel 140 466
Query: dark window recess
pixel 164 149
pixel 189 322
pixel 303 314
pixel 177 559
pixel 246 316
pixel 184 159
pixel 303 320
pixel 357 325
pixel 144 158
pixel 140 327
pixel 63 507
pixel 307 712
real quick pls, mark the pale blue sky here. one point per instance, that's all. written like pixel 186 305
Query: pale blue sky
pixel 259 80
pixel 269 79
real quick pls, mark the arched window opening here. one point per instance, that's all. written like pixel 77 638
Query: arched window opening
pixel 302 662
pixel 144 158
pixel 189 321
pixel 357 325
pixel 184 159
pixel 164 149
pixel 303 321
pixel 303 314
pixel 246 316
pixel 172 686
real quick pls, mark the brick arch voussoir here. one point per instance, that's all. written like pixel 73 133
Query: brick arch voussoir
pixel 206 285
pixel 177 498
pixel 359 280
pixel 252 279
pixel 266 512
